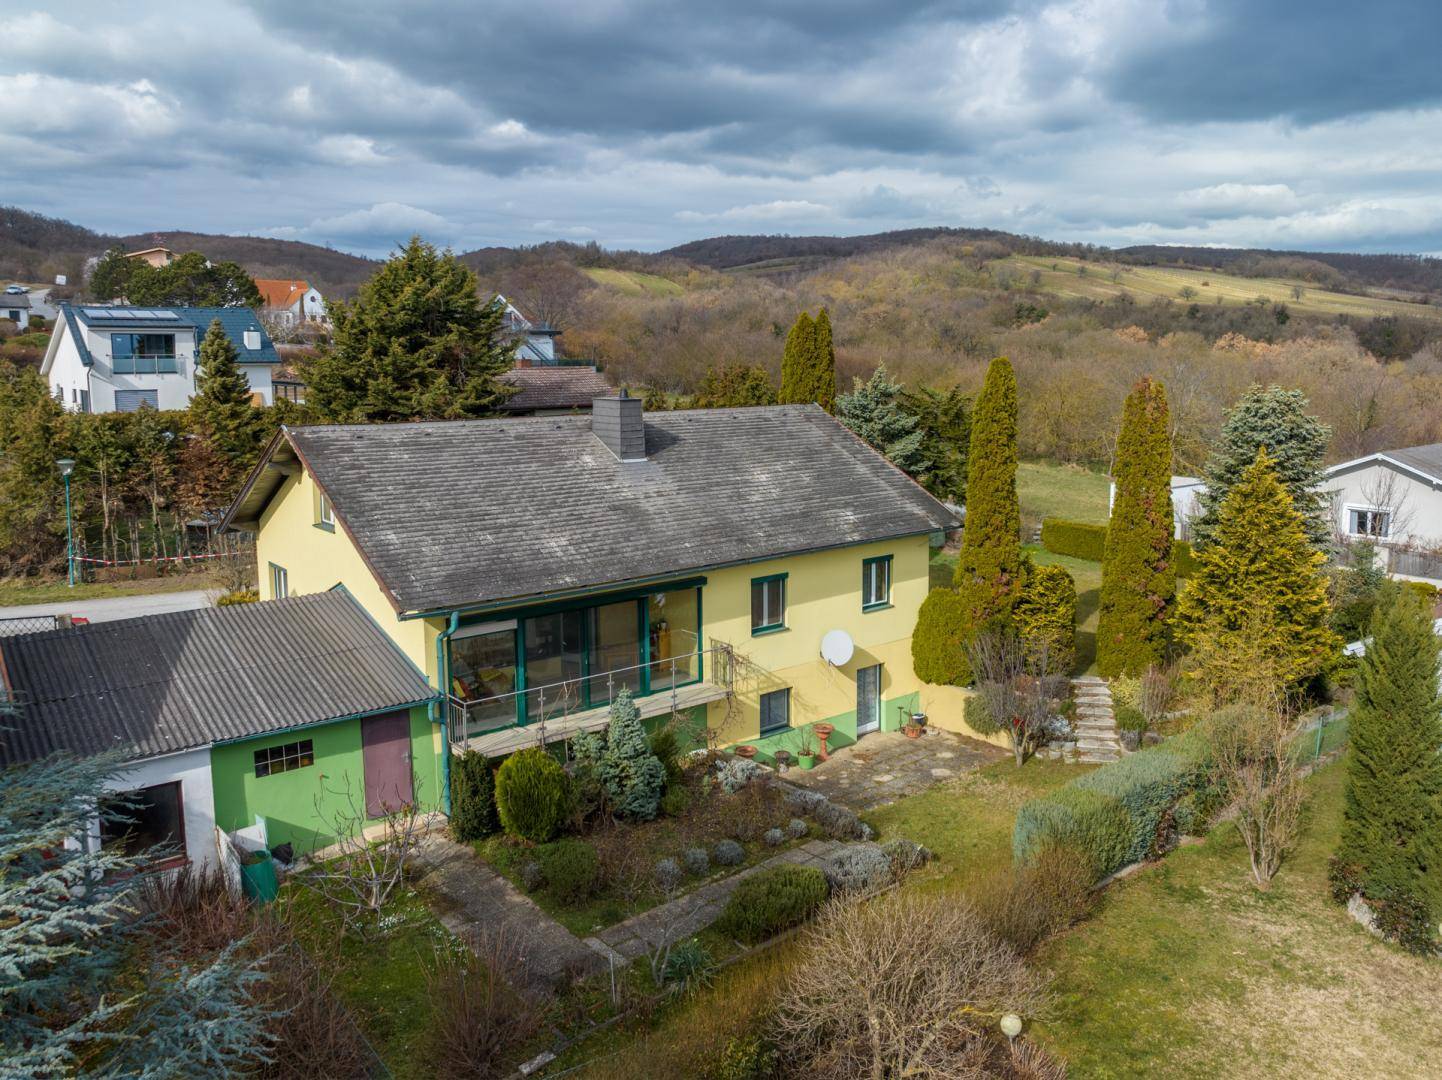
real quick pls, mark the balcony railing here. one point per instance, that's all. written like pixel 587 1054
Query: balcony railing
pixel 145 364
pixel 552 703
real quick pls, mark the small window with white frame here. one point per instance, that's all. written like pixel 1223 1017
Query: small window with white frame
pixel 279 582
pixel 876 583
pixel 1369 521
pixel 324 513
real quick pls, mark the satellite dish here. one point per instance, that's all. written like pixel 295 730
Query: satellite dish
pixel 836 647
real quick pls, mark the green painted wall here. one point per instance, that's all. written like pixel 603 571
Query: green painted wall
pixel 301 806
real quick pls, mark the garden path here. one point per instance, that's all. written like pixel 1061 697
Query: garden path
pixel 886 766
pixel 470 899
pixel 690 914
pixel 1096 724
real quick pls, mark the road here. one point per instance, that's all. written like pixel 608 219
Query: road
pixel 115 607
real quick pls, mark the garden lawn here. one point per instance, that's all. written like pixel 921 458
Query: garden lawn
pixel 15 592
pixel 1063 491
pixel 1188 971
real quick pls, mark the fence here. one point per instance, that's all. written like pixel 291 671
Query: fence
pixel 1420 564
pixel 1324 735
pixel 28 624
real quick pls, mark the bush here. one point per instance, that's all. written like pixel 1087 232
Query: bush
pixel 839 823
pixel 239 596
pixel 773 838
pixel 1130 719
pixel 773 900
pixel 744 1057
pixel 1088 821
pixel 905 856
pixel 1045 617
pixel 860 868
pixel 728 853
pixel 533 795
pixel 796 828
pixel 1024 905
pixel 1079 539
pixel 1424 589
pixel 633 776
pixel 977 716
pixel 676 801
pixel 665 746
pixel 1147 784
pixel 696 861
pixel 477 1020
pixel 938 644
pixel 667 875
pixel 473 797
pixel 571 869
pixel 1182 555
pixel 689 965
pixel 531 876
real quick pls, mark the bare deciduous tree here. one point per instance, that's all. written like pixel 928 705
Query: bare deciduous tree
pixel 1014 681
pixel 1259 770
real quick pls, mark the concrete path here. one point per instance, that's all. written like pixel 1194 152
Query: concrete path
pixel 690 914
pixel 116 607
pixel 886 766
pixel 471 899
pixel 1096 725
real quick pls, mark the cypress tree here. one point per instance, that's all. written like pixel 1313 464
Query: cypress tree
pixel 796 362
pixel 1259 584
pixel 1139 578
pixel 221 406
pixel 1392 818
pixel 989 568
pixel 823 364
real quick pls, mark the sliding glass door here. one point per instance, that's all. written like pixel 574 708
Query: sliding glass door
pixel 554 663
pixel 614 653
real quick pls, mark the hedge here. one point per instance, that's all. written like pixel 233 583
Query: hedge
pixel 1083 540
pixel 977 716
pixel 1088 821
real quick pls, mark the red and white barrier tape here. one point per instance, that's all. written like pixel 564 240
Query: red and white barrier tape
pixel 154 559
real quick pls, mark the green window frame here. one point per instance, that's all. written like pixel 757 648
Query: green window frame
pixel 279 582
pixel 768 604
pixel 776 711
pixel 876 583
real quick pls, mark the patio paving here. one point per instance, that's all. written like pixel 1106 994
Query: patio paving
pixel 886 766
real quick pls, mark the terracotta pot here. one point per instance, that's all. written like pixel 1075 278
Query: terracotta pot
pixel 911 731
pixel 747 752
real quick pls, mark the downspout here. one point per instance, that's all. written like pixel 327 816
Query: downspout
pixel 443 710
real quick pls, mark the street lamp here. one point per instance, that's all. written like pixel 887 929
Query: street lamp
pixel 67 466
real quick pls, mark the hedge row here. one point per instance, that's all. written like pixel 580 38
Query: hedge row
pixel 1116 814
pixel 1083 540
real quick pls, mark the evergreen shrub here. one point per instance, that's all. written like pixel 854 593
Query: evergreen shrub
pixel 1088 821
pixel 1078 539
pixel 571 869
pixel 473 797
pixel 1185 561
pixel 239 596
pixel 633 776
pixel 773 900
pixel 977 716
pixel 533 795
pixel 938 645
pixel 1045 616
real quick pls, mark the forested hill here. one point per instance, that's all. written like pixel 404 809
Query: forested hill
pixel 728 252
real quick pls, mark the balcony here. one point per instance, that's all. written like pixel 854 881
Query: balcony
pixel 151 364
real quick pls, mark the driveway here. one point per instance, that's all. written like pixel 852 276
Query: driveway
pixel 115 607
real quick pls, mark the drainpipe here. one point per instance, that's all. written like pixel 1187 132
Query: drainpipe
pixel 443 708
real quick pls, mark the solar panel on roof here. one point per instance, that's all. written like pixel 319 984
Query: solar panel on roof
pixel 97 313
pixel 165 315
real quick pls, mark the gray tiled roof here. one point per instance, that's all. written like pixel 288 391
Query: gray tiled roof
pixel 554 388
pixel 185 679
pixel 473 512
pixel 1426 459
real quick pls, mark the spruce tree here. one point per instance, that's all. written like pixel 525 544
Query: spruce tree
pixel 989 567
pixel 1139 577
pixel 634 777
pixel 1259 587
pixel 823 364
pixel 873 411
pixel 1392 818
pixel 417 343
pixel 1296 443
pixel 796 362
pixel 221 406
pixel 944 419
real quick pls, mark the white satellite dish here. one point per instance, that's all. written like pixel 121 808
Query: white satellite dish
pixel 836 647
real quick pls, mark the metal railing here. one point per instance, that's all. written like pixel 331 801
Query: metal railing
pixel 536 706
pixel 28 624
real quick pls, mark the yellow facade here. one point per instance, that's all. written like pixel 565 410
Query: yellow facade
pixel 824 593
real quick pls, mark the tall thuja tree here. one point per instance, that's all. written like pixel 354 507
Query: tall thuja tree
pixel 1259 592
pixel 1139 577
pixel 796 361
pixel 989 567
pixel 1391 846
pixel 221 408
pixel 69 991
pixel 35 430
pixel 1296 443
pixel 873 411
pixel 417 343
pixel 823 364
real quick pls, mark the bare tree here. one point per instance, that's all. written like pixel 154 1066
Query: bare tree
pixel 1261 774
pixel 1385 490
pixel 1014 681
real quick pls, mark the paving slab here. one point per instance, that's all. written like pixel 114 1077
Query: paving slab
pixel 885 766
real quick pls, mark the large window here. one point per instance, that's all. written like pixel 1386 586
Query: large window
pixel 142 354
pixel 775 711
pixel 876 583
pixel 554 657
pixel 483 674
pixel 149 818
pixel 768 604
pixel 614 650
pixel 1367 521
pixel 284 758
pixel 673 622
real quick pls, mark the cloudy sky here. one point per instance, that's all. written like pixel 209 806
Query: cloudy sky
pixel 642 124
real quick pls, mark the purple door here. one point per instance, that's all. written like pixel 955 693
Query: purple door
pixel 386 745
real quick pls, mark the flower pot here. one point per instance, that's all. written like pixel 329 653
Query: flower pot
pixel 806 761
pixel 912 731
pixel 747 752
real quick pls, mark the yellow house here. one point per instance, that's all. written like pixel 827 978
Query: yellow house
pixel 535 567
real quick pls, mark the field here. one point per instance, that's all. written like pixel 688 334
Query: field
pixel 24 591
pixel 634 283
pixel 1064 491
pixel 1060 276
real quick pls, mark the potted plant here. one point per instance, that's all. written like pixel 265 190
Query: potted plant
pixel 806 750
pixel 783 760
pixel 911 729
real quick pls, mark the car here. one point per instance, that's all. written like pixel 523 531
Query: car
pixel 16 289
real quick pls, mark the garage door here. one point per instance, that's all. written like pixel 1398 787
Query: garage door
pixel 130 400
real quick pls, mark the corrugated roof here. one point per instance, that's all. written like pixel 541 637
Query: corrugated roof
pixel 1425 459
pixel 554 388
pixel 185 679
pixel 465 513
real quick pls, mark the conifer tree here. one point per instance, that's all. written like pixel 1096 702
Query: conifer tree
pixel 1259 584
pixel 1391 843
pixel 1139 577
pixel 989 567
pixel 823 364
pixel 873 412
pixel 415 344
pixel 734 386
pixel 634 777
pixel 944 419
pixel 221 406
pixel 796 361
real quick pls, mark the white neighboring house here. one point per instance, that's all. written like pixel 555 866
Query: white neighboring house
pixel 112 358
pixel 1394 498
pixel 16 308
pixel 1185 507
pixel 535 341
pixel 290 301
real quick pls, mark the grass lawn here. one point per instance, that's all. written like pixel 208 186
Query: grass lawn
pixel 634 282
pixel 1064 491
pixel 1188 971
pixel 18 591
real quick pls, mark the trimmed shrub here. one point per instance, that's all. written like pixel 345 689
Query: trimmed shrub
pixel 977 716
pixel 938 644
pixel 1095 824
pixel 773 900
pixel 796 828
pixel 697 862
pixel 1147 784
pixel 668 875
pixel 473 797
pixel 861 868
pixel 773 838
pixel 839 823
pixel 533 795
pixel 728 853
pixel 1079 539
pixel 571 869
pixel 1045 617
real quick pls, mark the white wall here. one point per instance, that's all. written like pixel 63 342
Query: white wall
pixel 1415 505
pixel 192 769
pixel 19 315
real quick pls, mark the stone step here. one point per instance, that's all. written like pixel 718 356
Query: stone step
pixel 1092 758
pixel 1095 729
pixel 1100 716
pixel 1086 745
pixel 1088 680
